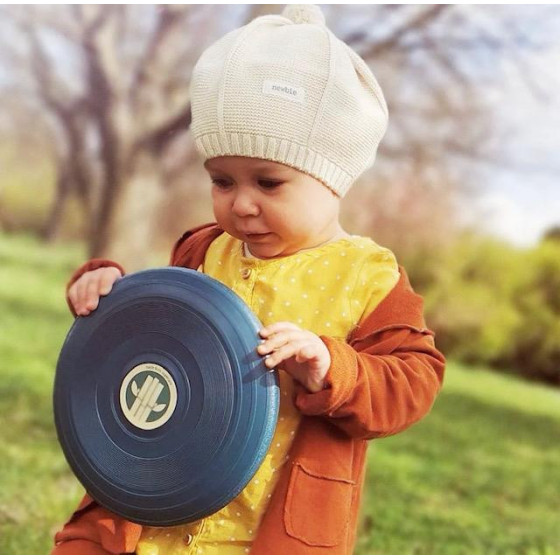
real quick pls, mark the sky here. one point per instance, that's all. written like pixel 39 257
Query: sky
pixel 522 200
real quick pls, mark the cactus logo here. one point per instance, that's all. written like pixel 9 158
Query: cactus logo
pixel 148 396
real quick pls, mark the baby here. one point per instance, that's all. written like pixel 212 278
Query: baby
pixel 286 117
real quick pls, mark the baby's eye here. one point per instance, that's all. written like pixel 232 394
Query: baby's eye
pixel 269 185
pixel 220 183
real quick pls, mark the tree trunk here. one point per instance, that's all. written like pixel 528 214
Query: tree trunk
pixel 52 227
pixel 128 236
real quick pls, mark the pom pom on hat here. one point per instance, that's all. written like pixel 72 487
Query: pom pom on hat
pixel 304 13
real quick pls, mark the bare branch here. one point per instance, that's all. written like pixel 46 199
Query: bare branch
pixel 169 17
pixel 157 140
pixel 420 21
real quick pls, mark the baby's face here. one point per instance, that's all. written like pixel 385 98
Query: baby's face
pixel 275 209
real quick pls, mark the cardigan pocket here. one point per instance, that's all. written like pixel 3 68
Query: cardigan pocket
pixel 317 510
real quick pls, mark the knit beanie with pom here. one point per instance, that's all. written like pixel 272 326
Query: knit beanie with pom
pixel 285 89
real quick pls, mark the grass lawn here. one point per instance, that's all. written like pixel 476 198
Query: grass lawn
pixel 479 475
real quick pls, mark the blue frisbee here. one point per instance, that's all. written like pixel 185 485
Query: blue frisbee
pixel 162 405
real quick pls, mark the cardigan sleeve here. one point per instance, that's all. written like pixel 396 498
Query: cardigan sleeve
pixel 92 529
pixel 375 392
pixel 188 251
pixel 386 376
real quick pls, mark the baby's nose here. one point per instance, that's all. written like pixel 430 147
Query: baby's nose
pixel 245 205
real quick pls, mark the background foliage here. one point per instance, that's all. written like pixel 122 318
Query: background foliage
pixel 491 303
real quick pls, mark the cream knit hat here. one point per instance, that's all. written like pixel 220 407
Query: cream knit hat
pixel 284 88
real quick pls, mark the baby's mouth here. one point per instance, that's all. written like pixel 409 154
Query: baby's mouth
pixel 257 236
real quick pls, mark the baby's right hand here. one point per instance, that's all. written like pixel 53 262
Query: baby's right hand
pixel 84 293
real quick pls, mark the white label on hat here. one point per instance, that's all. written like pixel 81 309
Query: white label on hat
pixel 287 91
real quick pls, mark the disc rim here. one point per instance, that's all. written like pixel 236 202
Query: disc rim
pixel 154 515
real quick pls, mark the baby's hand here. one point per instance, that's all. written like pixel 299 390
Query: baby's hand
pixel 301 353
pixel 84 293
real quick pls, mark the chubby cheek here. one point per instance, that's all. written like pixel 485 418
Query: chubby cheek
pixel 222 211
pixel 295 222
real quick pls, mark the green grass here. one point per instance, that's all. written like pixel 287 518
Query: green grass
pixel 36 486
pixel 479 475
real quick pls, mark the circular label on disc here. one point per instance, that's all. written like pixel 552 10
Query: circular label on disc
pixel 148 396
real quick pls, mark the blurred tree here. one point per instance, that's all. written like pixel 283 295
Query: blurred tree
pixel 111 82
pixel 491 303
pixel 115 90
pixel 552 234
pixel 442 69
pixel 537 349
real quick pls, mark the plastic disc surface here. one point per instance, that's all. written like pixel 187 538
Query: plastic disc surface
pixel 163 407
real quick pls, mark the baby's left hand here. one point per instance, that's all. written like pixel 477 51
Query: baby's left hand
pixel 301 353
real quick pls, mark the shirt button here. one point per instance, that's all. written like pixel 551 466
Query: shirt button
pixel 188 539
pixel 245 273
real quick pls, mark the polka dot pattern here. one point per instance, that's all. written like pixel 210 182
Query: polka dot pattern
pixel 326 290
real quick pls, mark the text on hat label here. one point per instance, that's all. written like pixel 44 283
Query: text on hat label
pixel 287 91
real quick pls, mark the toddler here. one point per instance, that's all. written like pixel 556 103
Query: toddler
pixel 286 117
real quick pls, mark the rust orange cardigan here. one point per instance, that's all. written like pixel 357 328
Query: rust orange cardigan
pixel 381 381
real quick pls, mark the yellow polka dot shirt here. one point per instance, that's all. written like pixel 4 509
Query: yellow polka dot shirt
pixel 326 290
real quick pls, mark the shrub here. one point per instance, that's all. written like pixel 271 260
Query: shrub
pixel 491 303
pixel 537 350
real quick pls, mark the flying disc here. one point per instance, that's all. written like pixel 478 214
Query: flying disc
pixel 163 407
